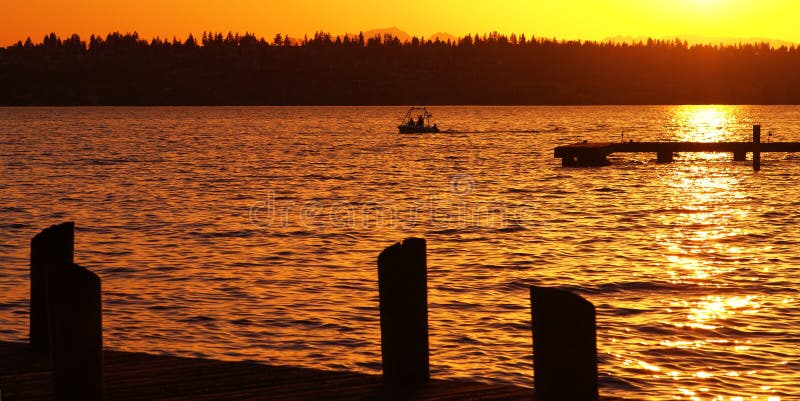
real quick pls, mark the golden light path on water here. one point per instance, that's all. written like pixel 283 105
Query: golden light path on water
pixel 692 265
pixel 710 203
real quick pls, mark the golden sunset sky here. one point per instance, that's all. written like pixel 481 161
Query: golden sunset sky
pixel 564 19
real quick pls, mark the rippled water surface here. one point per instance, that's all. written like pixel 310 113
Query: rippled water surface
pixel 252 234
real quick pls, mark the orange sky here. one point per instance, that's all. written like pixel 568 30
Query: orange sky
pixel 571 19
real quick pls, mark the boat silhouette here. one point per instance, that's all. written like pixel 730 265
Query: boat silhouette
pixel 419 125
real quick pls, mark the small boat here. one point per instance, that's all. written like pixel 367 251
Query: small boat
pixel 421 124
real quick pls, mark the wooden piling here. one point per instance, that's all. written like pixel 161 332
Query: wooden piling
pixel 65 315
pixel 665 156
pixel 402 284
pixel 76 340
pixel 564 346
pixel 53 246
pixel 756 148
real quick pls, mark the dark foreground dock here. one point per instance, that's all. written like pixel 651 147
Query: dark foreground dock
pixel 595 153
pixel 64 359
pixel 139 376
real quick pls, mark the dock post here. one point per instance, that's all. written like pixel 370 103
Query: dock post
pixel 403 293
pixel 65 316
pixel 76 339
pixel 664 156
pixel 52 246
pixel 564 346
pixel 756 147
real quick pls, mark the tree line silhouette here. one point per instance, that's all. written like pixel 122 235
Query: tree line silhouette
pixel 233 69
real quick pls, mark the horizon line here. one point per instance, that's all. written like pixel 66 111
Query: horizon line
pixel 692 39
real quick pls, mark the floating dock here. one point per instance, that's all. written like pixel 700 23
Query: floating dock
pixel 596 153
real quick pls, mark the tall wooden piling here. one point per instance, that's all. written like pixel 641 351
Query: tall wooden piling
pixel 53 246
pixel 756 148
pixel 76 340
pixel 564 346
pixel 65 315
pixel 402 284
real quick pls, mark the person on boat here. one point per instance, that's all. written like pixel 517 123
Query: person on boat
pixel 411 121
pixel 420 120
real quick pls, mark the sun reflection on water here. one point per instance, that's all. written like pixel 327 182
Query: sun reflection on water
pixel 706 215
pixel 700 217
pixel 706 123
pixel 710 309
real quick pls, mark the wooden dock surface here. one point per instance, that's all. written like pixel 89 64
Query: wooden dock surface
pixel 595 153
pixel 677 147
pixel 140 376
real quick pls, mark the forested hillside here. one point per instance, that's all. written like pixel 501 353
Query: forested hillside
pixel 232 69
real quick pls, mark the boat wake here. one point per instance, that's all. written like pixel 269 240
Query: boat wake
pixel 494 131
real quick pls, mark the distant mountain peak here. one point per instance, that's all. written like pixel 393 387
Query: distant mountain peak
pixel 443 36
pixel 403 35
pixel 394 31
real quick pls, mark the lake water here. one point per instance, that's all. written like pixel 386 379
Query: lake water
pixel 252 234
